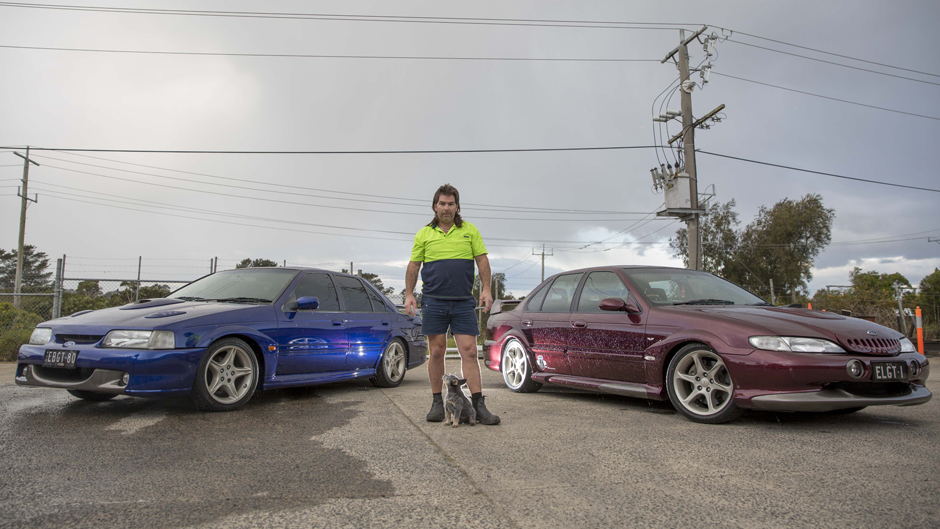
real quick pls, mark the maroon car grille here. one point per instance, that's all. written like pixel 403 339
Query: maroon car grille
pixel 874 345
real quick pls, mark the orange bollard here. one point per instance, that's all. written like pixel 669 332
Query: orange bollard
pixel 809 306
pixel 920 331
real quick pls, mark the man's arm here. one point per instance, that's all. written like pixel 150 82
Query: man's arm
pixel 486 296
pixel 411 280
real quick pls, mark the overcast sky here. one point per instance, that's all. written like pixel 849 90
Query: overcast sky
pixel 177 211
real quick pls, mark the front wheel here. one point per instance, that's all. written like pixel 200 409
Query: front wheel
pixel 392 366
pixel 226 377
pixel 517 374
pixel 91 395
pixel 700 386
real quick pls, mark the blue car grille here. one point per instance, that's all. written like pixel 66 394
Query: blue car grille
pixel 78 338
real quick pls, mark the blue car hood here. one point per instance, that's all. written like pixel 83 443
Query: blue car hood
pixel 156 313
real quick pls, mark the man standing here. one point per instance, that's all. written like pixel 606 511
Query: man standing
pixel 447 247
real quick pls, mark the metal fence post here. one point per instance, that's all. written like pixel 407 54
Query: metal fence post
pixel 57 296
pixel 140 261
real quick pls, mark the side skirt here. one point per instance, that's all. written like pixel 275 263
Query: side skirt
pixel 627 389
pixel 312 379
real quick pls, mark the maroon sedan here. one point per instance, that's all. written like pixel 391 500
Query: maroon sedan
pixel 707 345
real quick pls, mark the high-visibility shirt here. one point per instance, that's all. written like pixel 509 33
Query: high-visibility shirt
pixel 448 259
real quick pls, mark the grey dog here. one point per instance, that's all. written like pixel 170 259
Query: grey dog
pixel 456 405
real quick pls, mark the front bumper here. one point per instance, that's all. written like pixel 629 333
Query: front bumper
pixel 96 380
pixel 837 399
pixel 151 372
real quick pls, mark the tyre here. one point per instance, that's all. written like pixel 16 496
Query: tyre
pixel 700 386
pixel 392 366
pixel 226 377
pixel 91 395
pixel 517 374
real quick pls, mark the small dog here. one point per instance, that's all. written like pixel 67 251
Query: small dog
pixel 457 407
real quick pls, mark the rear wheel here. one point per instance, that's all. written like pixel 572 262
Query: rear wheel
pixel 91 395
pixel 226 377
pixel 392 366
pixel 700 386
pixel 517 374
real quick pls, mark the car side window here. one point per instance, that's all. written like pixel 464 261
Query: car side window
pixel 599 286
pixel 320 286
pixel 354 294
pixel 534 303
pixel 558 297
pixel 377 304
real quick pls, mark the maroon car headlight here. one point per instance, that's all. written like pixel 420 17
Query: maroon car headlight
pixel 794 344
pixel 907 346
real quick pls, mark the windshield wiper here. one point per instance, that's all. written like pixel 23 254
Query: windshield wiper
pixel 191 298
pixel 763 304
pixel 243 300
pixel 705 302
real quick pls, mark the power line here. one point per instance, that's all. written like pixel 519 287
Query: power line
pixel 418 202
pixel 833 63
pixel 318 56
pixel 829 53
pixel 601 24
pixel 347 208
pixel 827 97
pixel 425 151
pixel 820 172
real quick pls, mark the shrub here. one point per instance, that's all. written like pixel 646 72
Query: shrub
pixel 15 327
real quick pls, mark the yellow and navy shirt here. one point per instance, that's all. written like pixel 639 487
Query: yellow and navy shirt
pixel 448 260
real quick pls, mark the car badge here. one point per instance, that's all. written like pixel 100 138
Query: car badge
pixel 872 333
pixel 68 344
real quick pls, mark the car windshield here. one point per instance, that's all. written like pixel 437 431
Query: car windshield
pixel 244 285
pixel 688 287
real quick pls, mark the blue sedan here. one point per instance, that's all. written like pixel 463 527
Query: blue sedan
pixel 227 335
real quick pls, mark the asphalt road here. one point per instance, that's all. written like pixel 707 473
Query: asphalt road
pixel 350 455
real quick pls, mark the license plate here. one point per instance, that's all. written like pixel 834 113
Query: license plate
pixel 59 358
pixel 886 371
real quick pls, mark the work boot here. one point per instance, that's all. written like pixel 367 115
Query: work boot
pixel 437 409
pixel 483 415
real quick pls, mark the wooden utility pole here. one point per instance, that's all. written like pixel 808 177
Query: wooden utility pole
pixel 543 254
pixel 18 281
pixel 688 145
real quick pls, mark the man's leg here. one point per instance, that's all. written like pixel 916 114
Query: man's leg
pixel 437 343
pixel 470 366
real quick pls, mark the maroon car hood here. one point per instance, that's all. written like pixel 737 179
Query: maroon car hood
pixel 852 334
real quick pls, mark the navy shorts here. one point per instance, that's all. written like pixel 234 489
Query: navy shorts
pixel 439 314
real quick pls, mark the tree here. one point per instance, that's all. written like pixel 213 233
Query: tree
pixel 780 244
pixel 719 240
pixel 255 263
pixel 34 276
pixel 873 281
pixel 929 299
pixel 89 289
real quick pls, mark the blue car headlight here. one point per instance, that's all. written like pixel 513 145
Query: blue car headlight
pixel 40 336
pixel 794 344
pixel 131 339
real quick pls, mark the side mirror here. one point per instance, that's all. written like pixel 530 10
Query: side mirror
pixel 308 303
pixel 617 304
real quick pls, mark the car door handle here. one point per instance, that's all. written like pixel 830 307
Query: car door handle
pixel 579 324
pixel 384 323
pixel 527 323
pixel 338 322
